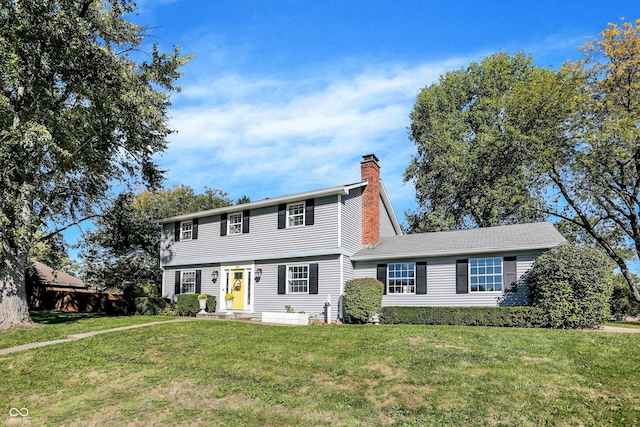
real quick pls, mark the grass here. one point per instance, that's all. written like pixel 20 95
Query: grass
pixel 52 325
pixel 247 374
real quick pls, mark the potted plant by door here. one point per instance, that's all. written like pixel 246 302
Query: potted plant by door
pixel 202 300
pixel 228 300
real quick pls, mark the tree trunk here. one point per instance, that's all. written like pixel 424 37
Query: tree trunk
pixel 14 309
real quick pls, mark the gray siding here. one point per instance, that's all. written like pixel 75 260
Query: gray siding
pixel 207 285
pixel 264 238
pixel 386 226
pixel 441 284
pixel 352 220
pixel 266 291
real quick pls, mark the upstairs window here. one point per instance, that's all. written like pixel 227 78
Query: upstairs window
pixel 295 214
pixel 186 230
pixel 235 223
pixel 485 274
pixel 401 278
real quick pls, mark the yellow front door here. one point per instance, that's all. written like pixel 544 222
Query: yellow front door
pixel 237 289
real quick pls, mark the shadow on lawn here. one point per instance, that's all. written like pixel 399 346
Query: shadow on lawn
pixel 51 317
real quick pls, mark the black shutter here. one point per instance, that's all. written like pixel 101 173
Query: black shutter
pixel 177 288
pixel 313 279
pixel 462 273
pixel 194 229
pixel 282 215
pixel 282 279
pixel 223 224
pixel 198 281
pixel 245 221
pixel 309 215
pixel 382 276
pixel 421 278
pixel 176 231
pixel 510 274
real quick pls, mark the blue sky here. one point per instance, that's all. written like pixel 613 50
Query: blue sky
pixel 286 96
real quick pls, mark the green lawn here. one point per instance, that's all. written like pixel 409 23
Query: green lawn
pixel 247 374
pixel 53 325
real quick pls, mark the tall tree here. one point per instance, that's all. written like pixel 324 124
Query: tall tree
pixel 581 126
pixel 80 112
pixel 563 144
pixel 468 171
pixel 124 247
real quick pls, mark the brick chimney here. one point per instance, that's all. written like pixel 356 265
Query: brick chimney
pixel 370 201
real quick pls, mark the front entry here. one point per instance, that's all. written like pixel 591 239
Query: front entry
pixel 237 288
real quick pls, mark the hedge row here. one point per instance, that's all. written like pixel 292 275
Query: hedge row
pixel 521 317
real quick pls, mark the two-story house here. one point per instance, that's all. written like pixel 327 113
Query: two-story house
pixel 298 249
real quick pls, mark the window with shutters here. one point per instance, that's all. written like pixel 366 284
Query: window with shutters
pixel 188 282
pixel 401 278
pixel 235 223
pixel 186 230
pixel 295 214
pixel 298 279
pixel 485 275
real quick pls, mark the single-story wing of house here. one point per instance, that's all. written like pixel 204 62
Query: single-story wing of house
pixel 299 250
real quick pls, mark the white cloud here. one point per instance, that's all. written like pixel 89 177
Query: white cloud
pixel 265 137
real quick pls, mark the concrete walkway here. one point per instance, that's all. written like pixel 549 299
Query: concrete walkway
pixel 618 329
pixel 76 337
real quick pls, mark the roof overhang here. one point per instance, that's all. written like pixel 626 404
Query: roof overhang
pixel 342 189
pixel 360 256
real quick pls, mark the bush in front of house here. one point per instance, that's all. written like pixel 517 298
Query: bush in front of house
pixel 149 306
pixel 187 304
pixel 572 286
pixel 521 317
pixel 362 298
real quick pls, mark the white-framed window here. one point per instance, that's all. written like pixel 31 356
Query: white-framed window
pixel 188 282
pixel 298 279
pixel 485 275
pixel 186 230
pixel 295 214
pixel 401 278
pixel 235 223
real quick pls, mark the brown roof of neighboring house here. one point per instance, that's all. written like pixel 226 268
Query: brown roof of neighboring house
pixel 57 279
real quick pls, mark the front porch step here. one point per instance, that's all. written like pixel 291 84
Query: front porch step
pixel 226 315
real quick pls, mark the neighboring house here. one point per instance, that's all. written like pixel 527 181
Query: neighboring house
pixel 54 280
pixel 299 249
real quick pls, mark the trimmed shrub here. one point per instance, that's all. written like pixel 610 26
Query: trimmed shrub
pixel 521 317
pixel 572 286
pixel 362 298
pixel 149 306
pixel 187 304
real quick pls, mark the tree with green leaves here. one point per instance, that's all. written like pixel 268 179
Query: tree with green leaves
pixel 123 250
pixel 581 126
pixel 572 138
pixel 469 172
pixel 82 111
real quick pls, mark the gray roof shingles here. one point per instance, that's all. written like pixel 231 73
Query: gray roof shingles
pixel 540 235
